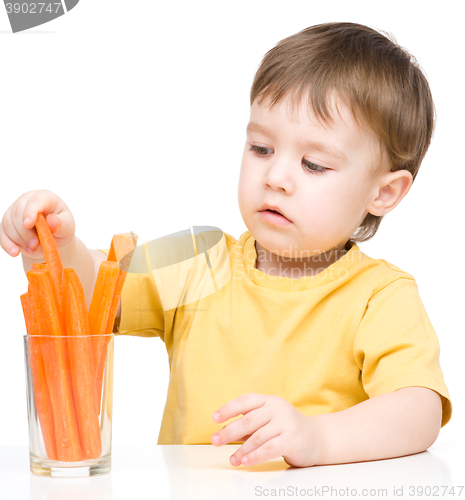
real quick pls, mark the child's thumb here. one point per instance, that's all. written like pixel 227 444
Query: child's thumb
pixel 61 225
pixel 53 222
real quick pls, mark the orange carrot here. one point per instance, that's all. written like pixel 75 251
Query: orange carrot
pixel 82 364
pixel 102 348
pixel 36 267
pixel 102 296
pixel 121 250
pixel 41 394
pixel 56 364
pixel 52 257
pixel 99 310
pixel 115 302
pixel 27 320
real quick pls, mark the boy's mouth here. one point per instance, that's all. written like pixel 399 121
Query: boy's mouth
pixel 273 210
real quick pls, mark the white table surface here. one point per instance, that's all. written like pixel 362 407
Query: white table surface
pixel 204 472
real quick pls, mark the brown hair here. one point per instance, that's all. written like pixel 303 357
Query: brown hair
pixel 380 82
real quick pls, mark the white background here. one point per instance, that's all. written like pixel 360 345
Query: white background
pixel 135 114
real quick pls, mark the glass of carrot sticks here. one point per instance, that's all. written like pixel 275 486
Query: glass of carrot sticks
pixel 69 360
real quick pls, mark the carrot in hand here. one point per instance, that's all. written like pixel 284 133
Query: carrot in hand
pixel 82 364
pixel 56 363
pixel 52 257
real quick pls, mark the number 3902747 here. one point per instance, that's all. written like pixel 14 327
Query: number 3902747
pixel 33 8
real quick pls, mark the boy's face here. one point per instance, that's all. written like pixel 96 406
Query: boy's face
pixel 318 176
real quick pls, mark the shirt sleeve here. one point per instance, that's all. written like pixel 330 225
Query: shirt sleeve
pixel 168 273
pixel 141 309
pixel 396 346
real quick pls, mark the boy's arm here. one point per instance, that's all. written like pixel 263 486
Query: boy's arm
pixel 395 424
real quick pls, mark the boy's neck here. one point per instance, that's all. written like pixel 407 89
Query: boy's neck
pixel 275 265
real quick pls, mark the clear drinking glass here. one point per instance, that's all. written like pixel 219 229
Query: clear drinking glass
pixel 69 382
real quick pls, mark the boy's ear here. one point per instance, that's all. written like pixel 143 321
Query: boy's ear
pixel 389 192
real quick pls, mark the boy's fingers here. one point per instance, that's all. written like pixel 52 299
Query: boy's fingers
pixel 42 202
pixel 246 425
pixel 241 405
pixel 53 222
pixel 9 246
pixel 272 448
pixel 13 235
pixel 17 232
pixel 13 243
pixel 259 438
pixel 62 225
pixel 56 214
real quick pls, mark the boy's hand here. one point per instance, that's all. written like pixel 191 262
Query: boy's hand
pixel 272 427
pixel 17 233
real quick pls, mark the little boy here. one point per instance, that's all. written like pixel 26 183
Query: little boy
pixel 328 354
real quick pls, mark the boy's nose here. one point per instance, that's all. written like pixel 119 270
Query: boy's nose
pixel 278 176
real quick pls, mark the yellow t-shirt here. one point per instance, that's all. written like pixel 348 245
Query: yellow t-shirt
pixel 324 343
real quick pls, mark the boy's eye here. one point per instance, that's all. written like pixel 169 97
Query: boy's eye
pixel 312 167
pixel 260 150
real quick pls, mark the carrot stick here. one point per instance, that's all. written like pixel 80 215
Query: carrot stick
pixel 121 250
pixel 52 257
pixel 27 319
pixel 102 296
pixel 99 310
pixel 56 364
pixel 82 365
pixel 36 267
pixel 41 394
pixel 108 330
pixel 115 301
